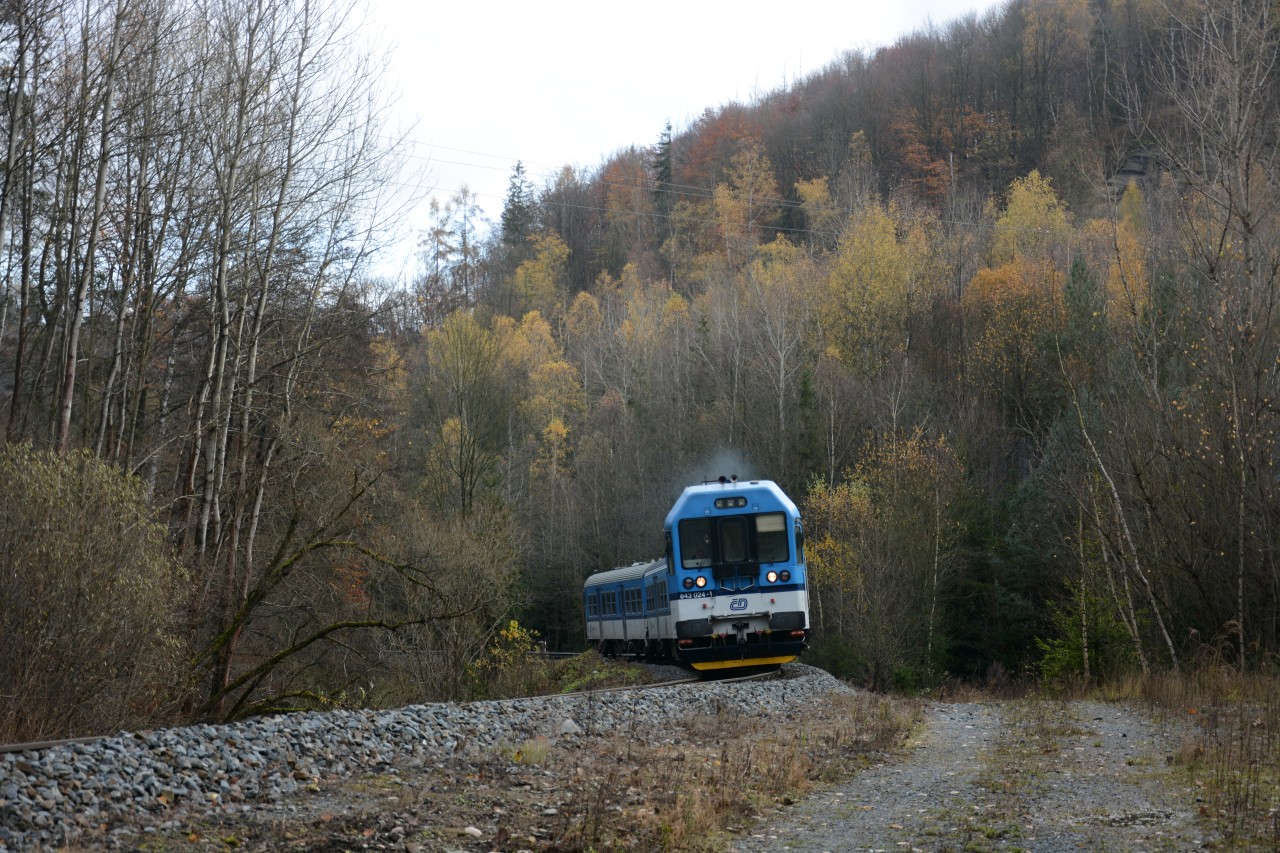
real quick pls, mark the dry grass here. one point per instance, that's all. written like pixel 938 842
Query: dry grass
pixel 685 793
pixel 1233 757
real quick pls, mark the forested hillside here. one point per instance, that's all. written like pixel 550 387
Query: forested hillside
pixel 996 305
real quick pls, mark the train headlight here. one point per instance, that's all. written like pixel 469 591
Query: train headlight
pixel 702 581
pixel 772 577
pixel 785 576
pixel 688 583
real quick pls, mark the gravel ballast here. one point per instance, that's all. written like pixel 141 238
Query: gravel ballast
pixel 61 795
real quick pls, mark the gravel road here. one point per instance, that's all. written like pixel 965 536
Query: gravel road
pixel 1040 776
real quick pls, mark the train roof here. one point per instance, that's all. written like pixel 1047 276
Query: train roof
pixel 624 573
pixel 696 500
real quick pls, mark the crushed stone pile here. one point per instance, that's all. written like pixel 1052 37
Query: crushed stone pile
pixel 53 797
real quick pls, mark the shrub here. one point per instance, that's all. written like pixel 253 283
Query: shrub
pixel 88 595
pixel 507 668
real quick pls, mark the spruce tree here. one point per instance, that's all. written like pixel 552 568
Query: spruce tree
pixel 518 209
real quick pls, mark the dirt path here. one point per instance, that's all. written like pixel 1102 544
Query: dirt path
pixel 1041 776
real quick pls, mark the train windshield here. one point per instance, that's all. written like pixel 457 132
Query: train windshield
pixel 733 539
pixel 695 543
pixel 771 537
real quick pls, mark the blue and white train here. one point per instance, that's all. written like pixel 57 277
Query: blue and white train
pixel 730 592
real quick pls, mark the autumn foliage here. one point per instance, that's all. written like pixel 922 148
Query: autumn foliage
pixel 996 304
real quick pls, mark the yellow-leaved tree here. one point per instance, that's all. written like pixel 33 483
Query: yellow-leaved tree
pixel 777 290
pixel 472 395
pixel 835 517
pixel 1015 306
pixel 822 216
pixel 1033 223
pixel 746 203
pixel 552 398
pixel 873 284
pixel 881 545
pixel 1119 245
pixel 541 283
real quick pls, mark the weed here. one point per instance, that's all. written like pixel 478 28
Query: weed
pixel 713 772
pixel 1233 756
pixel 530 753
pixel 592 671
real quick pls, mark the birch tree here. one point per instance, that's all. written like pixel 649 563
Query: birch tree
pixel 1213 99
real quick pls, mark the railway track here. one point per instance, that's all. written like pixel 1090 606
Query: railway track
pixel 41 745
pixel 755 676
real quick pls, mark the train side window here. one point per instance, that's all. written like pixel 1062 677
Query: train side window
pixel 632 600
pixel 593 606
pixel 657 590
pixel 733 540
pixel 610 602
pixel 695 542
pixel 671 555
pixel 799 542
pixel 771 537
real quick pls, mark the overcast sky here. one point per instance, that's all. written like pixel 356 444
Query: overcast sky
pixel 556 82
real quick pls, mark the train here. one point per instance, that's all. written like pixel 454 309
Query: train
pixel 731 591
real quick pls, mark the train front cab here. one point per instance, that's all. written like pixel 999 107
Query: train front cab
pixel 738 581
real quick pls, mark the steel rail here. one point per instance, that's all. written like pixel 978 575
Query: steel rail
pixel 38 745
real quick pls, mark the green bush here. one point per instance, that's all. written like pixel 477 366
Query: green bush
pixel 88 597
pixel 1063 653
pixel 592 671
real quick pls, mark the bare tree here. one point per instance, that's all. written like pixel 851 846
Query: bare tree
pixel 1215 98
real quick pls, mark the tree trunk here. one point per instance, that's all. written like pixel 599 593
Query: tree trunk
pixel 75 310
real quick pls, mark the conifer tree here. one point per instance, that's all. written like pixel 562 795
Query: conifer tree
pixel 518 209
pixel 663 172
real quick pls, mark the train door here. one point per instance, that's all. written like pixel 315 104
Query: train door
pixel 622 607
